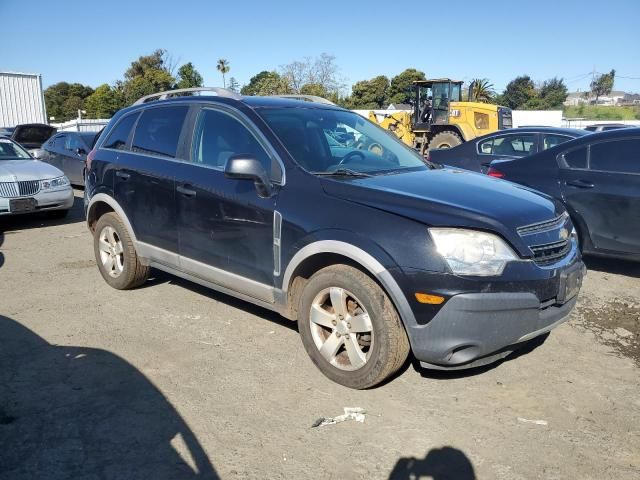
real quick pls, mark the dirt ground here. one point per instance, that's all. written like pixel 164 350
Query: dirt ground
pixel 174 381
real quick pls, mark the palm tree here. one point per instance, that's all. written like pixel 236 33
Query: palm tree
pixel 223 67
pixel 481 90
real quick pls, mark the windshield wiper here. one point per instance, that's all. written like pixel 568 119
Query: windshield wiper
pixel 343 172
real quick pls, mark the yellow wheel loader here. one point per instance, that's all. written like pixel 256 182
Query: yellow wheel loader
pixel 440 119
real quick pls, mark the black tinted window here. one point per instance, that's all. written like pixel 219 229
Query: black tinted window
pixel 621 156
pixel 220 136
pixel 118 137
pixel 158 130
pixel 576 158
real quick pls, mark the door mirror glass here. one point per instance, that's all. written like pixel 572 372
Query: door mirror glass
pixel 246 167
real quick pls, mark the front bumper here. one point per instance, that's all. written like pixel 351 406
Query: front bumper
pixel 483 320
pixel 61 199
pixel 474 327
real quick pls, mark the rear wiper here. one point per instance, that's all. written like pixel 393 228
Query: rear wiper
pixel 346 172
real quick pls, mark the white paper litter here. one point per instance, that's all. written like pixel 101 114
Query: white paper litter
pixel 535 422
pixel 350 413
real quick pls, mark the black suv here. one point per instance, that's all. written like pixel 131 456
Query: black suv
pixel 314 212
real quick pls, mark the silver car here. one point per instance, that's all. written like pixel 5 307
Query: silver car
pixel 28 185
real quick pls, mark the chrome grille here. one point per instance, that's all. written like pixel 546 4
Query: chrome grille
pixel 543 226
pixel 550 252
pixel 8 189
pixel 26 188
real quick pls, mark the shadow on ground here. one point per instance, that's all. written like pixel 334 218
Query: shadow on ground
pixel 613 265
pixel 446 463
pixel 44 219
pixel 72 412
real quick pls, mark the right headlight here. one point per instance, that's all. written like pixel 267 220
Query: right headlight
pixel 469 252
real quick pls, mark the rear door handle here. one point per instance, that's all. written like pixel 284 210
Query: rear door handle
pixel 186 191
pixel 581 183
pixel 123 175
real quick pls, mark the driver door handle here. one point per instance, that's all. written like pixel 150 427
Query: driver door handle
pixel 186 191
pixel 581 183
pixel 123 175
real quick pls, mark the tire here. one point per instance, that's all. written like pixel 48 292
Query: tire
pixel 381 352
pixel 125 271
pixel 446 139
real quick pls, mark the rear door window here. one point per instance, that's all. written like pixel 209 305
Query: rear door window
pixel 158 130
pixel 621 156
pixel 550 141
pixel 509 145
pixel 120 134
pixel 575 158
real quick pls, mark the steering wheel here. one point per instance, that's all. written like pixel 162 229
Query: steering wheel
pixel 350 156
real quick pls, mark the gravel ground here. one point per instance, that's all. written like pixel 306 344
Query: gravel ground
pixel 175 381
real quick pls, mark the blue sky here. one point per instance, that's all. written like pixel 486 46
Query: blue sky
pixel 93 42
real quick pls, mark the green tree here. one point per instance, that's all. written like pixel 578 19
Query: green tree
pixel 158 60
pixel 266 83
pixel 223 67
pixel 63 100
pixel 146 75
pixel 603 84
pixel 314 89
pixel 189 77
pixel 553 93
pixel 234 86
pixel 369 94
pixel 103 102
pixel 482 90
pixel 518 92
pixel 400 89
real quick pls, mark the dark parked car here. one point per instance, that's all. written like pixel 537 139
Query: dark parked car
pixel 598 179
pixel 477 154
pixel 374 253
pixel 68 151
pixel 603 127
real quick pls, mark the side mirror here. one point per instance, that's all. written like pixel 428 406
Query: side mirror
pixel 246 167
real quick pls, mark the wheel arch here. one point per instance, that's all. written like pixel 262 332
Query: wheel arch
pixel 323 253
pixel 102 203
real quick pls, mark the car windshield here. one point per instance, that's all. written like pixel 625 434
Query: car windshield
pixel 12 151
pixel 326 141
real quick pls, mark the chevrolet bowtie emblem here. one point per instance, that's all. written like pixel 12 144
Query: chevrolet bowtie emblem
pixel 564 234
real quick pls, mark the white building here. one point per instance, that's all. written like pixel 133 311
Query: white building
pixel 21 99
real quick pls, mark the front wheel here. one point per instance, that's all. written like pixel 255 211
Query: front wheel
pixel 350 328
pixel 446 139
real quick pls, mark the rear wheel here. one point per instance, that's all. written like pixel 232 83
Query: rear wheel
pixel 350 328
pixel 446 139
pixel 116 254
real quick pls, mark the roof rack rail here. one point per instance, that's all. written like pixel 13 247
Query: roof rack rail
pixel 306 98
pixel 181 92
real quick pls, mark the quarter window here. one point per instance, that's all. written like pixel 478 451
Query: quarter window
pixel 509 145
pixel 622 156
pixel 576 158
pixel 158 131
pixel 120 134
pixel 219 136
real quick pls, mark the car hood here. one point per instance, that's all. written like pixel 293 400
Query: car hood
pixel 450 198
pixel 17 170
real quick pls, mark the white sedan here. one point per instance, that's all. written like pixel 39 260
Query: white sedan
pixel 28 185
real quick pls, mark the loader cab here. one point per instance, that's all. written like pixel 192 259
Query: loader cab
pixel 431 102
